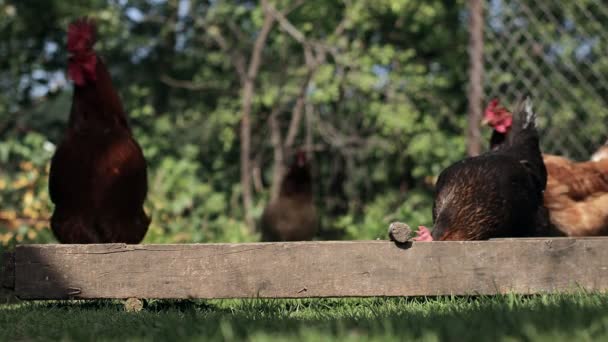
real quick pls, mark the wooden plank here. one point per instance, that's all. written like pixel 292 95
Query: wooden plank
pixel 310 269
pixel 7 270
pixel 556 238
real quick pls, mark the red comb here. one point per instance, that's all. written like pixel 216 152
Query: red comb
pixel 301 158
pixel 497 116
pixel 81 35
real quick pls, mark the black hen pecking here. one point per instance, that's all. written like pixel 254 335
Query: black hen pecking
pixel 496 194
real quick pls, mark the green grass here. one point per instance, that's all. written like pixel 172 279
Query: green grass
pixel 540 318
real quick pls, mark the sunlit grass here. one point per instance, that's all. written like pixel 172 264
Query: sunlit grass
pixel 544 317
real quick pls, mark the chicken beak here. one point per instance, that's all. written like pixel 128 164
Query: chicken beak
pixel 484 122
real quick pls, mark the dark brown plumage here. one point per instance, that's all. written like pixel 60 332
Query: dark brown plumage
pixel 292 216
pixel 576 195
pixel 496 194
pixel 98 179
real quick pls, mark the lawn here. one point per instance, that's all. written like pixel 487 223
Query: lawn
pixel 511 317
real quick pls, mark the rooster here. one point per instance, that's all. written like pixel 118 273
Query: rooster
pixel 292 216
pixel 496 194
pixel 98 179
pixel 577 192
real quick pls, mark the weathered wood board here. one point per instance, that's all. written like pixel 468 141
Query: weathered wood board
pixel 7 270
pixel 310 269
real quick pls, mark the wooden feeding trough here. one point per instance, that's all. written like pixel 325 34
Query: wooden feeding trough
pixel 307 269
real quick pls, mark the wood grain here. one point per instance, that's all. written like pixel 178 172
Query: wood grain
pixel 7 270
pixel 310 269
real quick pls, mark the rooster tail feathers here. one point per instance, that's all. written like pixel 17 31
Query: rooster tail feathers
pixel 524 142
pixel 530 115
pixel 524 122
pixel 526 117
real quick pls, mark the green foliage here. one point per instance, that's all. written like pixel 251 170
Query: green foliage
pixel 415 206
pixel 24 204
pixel 387 108
pixel 186 209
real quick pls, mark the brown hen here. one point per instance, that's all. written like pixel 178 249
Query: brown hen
pixel 293 215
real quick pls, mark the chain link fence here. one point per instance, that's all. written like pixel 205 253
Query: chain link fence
pixel 557 52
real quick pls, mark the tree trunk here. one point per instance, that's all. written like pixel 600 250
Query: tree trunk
pixel 279 159
pixel 475 76
pixel 248 82
pixel 309 123
pixel 280 147
pixel 246 152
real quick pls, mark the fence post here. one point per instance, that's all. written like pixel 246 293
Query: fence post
pixel 475 95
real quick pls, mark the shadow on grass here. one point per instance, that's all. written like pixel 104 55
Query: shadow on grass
pixel 555 316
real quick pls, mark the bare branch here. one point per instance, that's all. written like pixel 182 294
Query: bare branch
pixel 309 112
pixel 286 25
pixel 475 95
pixel 346 143
pixel 321 48
pixel 277 146
pixel 293 7
pixel 247 102
pixel 240 35
pixel 311 63
pixel 340 28
pixel 258 47
pixel 256 174
pixel 298 109
pixel 236 57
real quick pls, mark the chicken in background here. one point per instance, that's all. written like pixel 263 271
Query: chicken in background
pixel 496 194
pixel 577 192
pixel 293 215
pixel 98 179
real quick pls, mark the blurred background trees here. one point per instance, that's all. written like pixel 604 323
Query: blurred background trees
pixel 374 89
